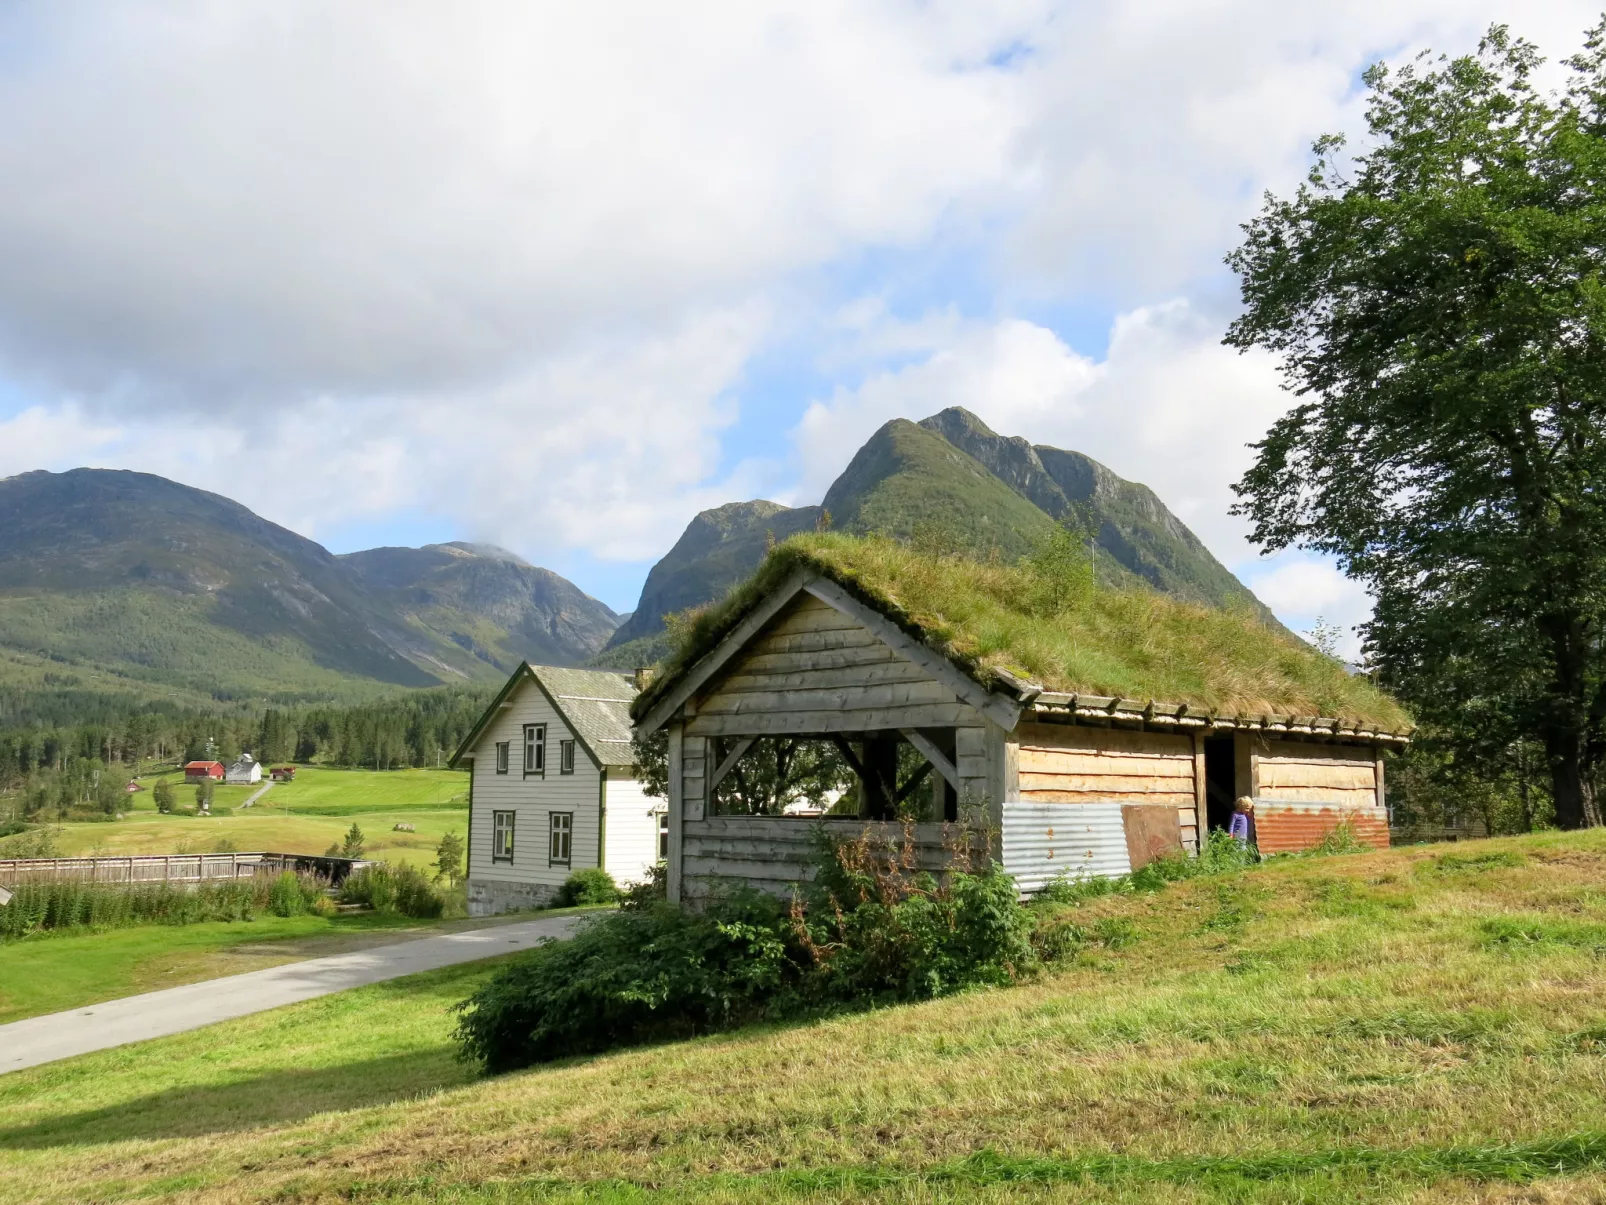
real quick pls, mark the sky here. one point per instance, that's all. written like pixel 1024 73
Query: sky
pixel 558 276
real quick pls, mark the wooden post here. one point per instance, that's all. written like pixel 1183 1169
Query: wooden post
pixel 1243 764
pixel 676 810
pixel 1201 793
pixel 1377 756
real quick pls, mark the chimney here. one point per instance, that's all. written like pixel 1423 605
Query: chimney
pixel 644 675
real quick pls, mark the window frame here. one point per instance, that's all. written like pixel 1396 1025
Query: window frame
pixel 564 830
pixel 566 756
pixel 502 756
pixel 535 738
pixel 663 836
pixel 503 824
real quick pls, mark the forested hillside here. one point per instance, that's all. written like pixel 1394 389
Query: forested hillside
pixel 123 591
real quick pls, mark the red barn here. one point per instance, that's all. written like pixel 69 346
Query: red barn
pixel 198 771
pixel 282 773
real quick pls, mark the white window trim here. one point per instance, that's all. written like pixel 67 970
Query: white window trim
pixel 501 756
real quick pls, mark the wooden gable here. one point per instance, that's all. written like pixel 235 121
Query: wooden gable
pixel 814 668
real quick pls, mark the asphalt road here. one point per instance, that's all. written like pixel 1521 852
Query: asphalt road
pixel 173 1010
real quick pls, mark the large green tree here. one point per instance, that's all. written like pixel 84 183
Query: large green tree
pixel 1437 305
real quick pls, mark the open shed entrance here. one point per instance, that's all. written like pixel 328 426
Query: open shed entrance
pixel 869 775
pixel 1220 782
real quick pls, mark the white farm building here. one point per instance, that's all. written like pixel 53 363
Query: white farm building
pixel 244 772
pixel 553 788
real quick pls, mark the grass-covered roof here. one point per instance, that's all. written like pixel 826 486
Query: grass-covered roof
pixel 1069 636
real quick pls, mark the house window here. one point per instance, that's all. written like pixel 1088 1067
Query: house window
pixel 663 836
pixel 562 830
pixel 535 748
pixel 565 757
pixel 501 757
pixel 502 836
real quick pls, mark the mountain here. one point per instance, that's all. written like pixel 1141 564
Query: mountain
pixel 1133 526
pixel 487 601
pixel 949 479
pixel 129 583
pixel 718 549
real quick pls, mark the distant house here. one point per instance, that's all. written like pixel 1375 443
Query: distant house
pixel 200 771
pixel 282 773
pixel 133 786
pixel 245 771
pixel 553 788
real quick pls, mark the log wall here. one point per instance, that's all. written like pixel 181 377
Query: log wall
pixel 1083 765
pixel 1307 772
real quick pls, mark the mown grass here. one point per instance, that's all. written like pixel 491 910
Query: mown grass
pixel 1424 1024
pixel 51 972
pixel 1135 643
pixel 306 816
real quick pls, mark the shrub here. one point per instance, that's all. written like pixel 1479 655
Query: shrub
pixel 650 892
pixel 41 905
pixel 285 897
pixel 630 977
pixel 162 795
pixel 589 886
pixel 398 890
pixel 873 929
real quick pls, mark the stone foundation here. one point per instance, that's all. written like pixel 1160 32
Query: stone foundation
pixel 490 897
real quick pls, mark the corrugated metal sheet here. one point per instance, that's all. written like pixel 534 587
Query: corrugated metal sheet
pixel 1289 826
pixel 1044 841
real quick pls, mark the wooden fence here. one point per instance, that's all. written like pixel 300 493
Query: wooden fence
pixel 173 868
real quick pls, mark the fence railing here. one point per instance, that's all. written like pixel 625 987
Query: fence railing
pixel 173 868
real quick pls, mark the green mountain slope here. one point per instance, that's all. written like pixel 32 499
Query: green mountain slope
pixel 951 479
pixel 123 583
pixel 1134 526
pixel 487 601
pixel 718 550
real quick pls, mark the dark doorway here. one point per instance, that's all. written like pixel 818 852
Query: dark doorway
pixel 1220 781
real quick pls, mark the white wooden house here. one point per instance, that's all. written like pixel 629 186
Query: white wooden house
pixel 244 771
pixel 553 788
pixel 1065 783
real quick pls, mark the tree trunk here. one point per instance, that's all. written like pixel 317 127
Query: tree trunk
pixel 1569 784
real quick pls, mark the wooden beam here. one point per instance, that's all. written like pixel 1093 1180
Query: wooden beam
pixel 933 755
pixel 915 779
pixel 1002 711
pixel 731 758
pixel 849 756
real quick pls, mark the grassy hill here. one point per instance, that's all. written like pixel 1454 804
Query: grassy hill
pixel 947 480
pixel 1415 1025
pixel 127 585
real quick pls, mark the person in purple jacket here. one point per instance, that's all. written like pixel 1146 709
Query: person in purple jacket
pixel 1242 828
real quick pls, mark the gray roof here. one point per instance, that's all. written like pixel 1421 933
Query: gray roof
pixel 596 703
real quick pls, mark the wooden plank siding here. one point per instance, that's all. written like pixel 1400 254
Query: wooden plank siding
pixel 1074 764
pixel 774 853
pixel 1308 772
pixel 815 670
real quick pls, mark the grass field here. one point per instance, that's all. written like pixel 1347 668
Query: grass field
pixel 1422 1025
pixel 51 972
pixel 307 815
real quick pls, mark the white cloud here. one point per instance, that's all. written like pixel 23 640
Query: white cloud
pixel 512 265
pixel 1169 406
pixel 214 205
pixel 1303 590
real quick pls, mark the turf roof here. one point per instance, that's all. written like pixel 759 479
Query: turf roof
pixel 1127 643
